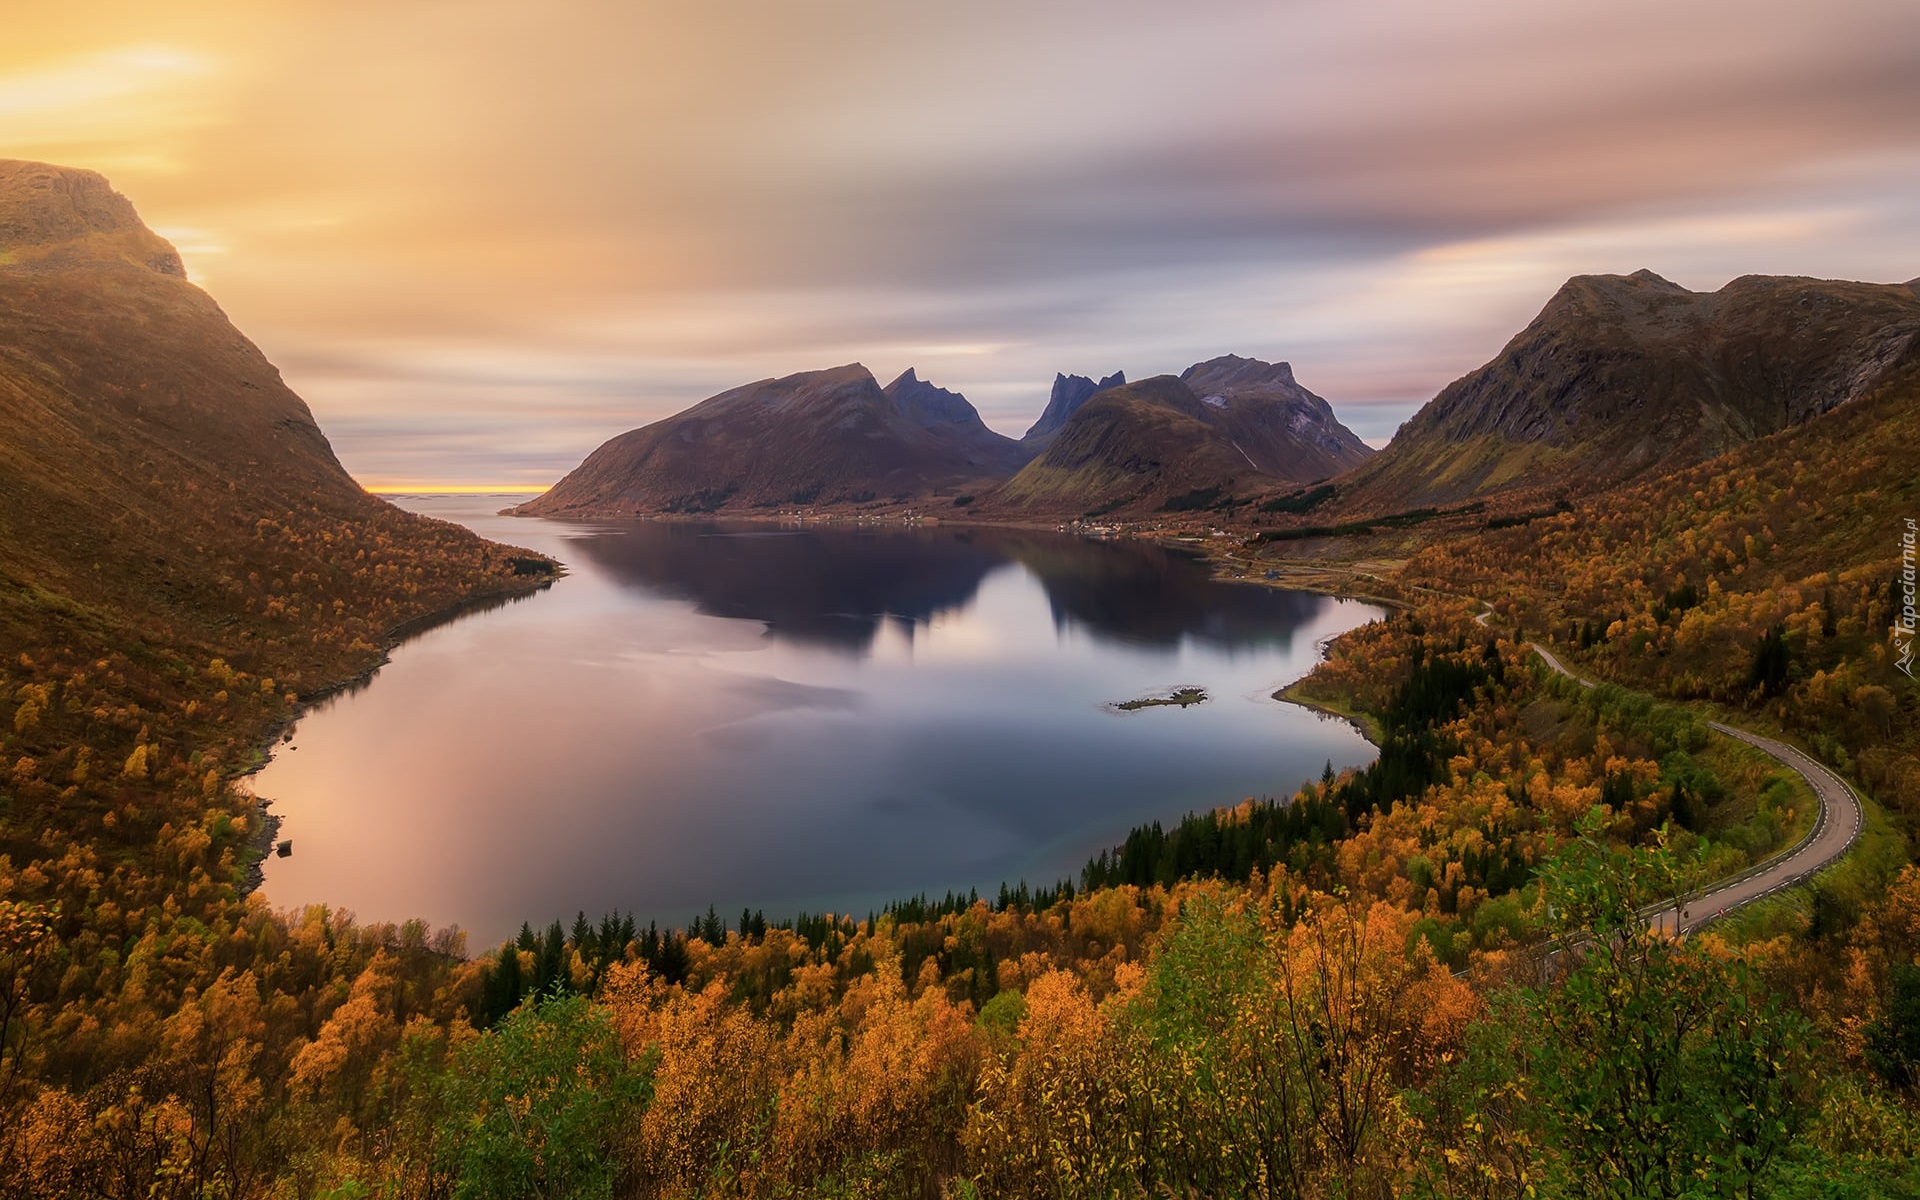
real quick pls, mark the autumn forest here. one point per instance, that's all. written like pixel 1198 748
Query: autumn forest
pixel 1499 959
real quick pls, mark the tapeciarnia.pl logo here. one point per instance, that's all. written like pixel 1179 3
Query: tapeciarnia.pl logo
pixel 1905 622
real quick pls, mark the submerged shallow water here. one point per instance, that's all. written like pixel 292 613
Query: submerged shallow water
pixel 787 719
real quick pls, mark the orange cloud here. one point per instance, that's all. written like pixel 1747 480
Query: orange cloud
pixel 482 235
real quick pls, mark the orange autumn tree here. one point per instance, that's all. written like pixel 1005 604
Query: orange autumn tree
pixel 1251 1056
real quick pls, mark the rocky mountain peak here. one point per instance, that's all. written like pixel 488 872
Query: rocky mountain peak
pixel 1230 372
pixel 929 405
pixel 1069 393
pixel 1640 288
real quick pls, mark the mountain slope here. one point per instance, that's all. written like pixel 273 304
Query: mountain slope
pixel 1623 377
pixel 1672 583
pixel 1225 426
pixel 157 478
pixel 181 557
pixel 818 437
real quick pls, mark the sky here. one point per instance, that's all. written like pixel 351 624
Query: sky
pixel 482 236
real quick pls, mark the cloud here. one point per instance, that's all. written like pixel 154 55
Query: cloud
pixel 538 224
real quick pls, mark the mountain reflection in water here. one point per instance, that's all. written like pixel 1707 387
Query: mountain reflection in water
pixel 835 586
pixel 820 718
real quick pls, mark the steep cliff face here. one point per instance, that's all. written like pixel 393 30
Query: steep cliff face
pixel 1626 376
pixel 123 387
pixel 815 438
pixel 1069 393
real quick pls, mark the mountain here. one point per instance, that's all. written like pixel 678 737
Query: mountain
pixel 110 357
pixel 1223 427
pixel 157 478
pixel 181 559
pixel 818 437
pixel 1628 377
pixel 948 415
pixel 833 590
pixel 1069 393
pixel 1282 428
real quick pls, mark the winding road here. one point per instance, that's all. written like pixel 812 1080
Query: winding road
pixel 1834 832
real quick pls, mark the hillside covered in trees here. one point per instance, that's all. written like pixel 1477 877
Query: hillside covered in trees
pixel 1425 977
pixel 1340 995
pixel 1337 997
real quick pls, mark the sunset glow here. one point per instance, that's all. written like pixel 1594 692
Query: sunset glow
pixel 480 238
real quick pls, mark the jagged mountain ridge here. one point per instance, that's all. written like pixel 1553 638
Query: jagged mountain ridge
pixel 949 414
pixel 1627 377
pixel 1224 426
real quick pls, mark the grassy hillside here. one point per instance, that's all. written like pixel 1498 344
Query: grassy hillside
pixel 1135 447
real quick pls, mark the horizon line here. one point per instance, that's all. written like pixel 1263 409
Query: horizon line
pixel 455 489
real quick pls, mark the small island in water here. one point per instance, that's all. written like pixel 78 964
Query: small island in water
pixel 1181 696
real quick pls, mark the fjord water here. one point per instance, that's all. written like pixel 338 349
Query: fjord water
pixel 813 718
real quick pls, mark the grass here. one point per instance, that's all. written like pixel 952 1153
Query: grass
pixel 1757 782
pixel 1342 707
pixel 1845 886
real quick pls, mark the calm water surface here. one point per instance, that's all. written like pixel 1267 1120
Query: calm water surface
pixel 818 719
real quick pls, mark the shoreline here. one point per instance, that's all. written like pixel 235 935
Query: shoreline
pixel 1332 578
pixel 260 844
pixel 1326 580
pixel 1361 723
pixel 961 519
